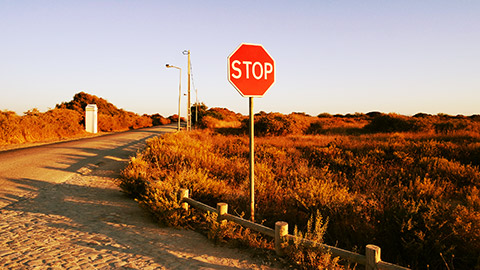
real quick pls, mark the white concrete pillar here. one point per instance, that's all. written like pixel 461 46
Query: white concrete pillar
pixel 91 120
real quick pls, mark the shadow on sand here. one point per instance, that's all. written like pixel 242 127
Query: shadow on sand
pixel 106 220
pixel 91 212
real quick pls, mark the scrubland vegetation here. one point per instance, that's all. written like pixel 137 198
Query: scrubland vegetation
pixel 67 120
pixel 110 118
pixel 35 126
pixel 410 185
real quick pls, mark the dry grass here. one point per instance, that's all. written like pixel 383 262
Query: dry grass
pixel 415 193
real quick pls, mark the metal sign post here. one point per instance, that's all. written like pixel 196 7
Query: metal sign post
pixel 252 163
pixel 251 70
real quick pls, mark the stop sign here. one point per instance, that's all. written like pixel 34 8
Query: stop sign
pixel 251 70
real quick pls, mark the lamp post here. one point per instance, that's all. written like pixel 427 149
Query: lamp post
pixel 179 92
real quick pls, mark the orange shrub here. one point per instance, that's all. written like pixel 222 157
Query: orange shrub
pixel 10 131
pixel 110 118
pixel 157 120
pixel 66 120
pixel 35 126
pixel 413 194
pixel 277 124
pixel 216 118
pixel 174 118
pixel 394 123
pixel 210 122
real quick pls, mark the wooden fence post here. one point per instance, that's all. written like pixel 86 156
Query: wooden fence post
pixel 222 209
pixel 281 230
pixel 372 253
pixel 184 194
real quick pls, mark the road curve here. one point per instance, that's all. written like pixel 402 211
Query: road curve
pixel 23 170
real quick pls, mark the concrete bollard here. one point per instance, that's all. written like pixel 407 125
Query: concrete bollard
pixel 222 209
pixel 372 253
pixel 184 193
pixel 91 118
pixel 281 230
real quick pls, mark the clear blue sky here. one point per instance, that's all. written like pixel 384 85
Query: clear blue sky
pixel 331 56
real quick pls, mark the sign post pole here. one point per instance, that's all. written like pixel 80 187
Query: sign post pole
pixel 251 70
pixel 252 163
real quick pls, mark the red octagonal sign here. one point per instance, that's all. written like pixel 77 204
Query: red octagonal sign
pixel 251 70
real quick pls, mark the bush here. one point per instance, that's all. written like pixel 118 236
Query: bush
pixel 36 126
pixel 174 118
pixel 276 124
pixel 110 118
pixel 10 128
pixel 315 128
pixel 374 114
pixel 393 123
pixel 217 118
pixel 324 115
pixel 66 120
pixel 158 120
pixel 450 126
pixel 82 99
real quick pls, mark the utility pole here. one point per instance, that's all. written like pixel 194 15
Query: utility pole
pixel 189 110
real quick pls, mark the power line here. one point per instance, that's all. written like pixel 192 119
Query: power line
pixel 196 93
pixel 193 82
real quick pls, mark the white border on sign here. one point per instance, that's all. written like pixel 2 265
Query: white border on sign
pixel 228 69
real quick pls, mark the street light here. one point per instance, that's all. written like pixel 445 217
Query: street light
pixel 179 92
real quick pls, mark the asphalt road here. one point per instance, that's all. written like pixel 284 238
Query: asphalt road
pixel 24 171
